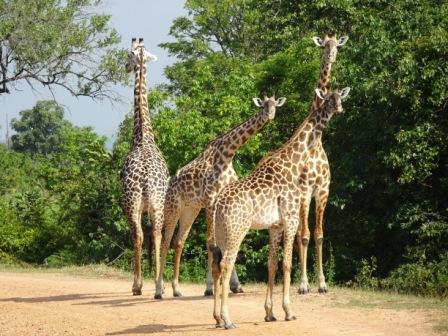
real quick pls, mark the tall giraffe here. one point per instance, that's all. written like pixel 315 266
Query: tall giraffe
pixel 196 185
pixel 144 177
pixel 269 198
pixel 316 174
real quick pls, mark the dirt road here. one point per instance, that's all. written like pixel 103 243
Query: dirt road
pixel 58 304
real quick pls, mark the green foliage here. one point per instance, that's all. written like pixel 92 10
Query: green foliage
pixel 39 130
pixel 59 43
pixel 388 154
pixel 418 278
pixel 386 222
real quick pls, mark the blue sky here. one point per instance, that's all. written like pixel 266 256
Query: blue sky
pixel 132 18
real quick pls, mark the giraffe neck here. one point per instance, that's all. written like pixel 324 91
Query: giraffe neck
pixel 229 143
pixel 308 134
pixel 324 79
pixel 142 125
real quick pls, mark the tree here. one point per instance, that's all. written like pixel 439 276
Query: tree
pixel 39 130
pixel 58 43
pixel 388 155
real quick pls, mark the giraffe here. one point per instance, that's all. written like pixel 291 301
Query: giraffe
pixel 316 174
pixel 144 176
pixel 269 198
pixel 196 185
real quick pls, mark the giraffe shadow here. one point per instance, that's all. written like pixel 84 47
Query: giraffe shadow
pixel 59 298
pixel 100 299
pixel 171 329
pixel 127 302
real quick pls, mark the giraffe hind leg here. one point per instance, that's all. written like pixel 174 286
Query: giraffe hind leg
pixel 134 218
pixel 186 220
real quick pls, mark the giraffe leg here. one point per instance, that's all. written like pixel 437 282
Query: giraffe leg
pixel 233 240
pixel 275 236
pixel 226 268
pixel 210 243
pixel 216 272
pixel 304 286
pixel 172 213
pixel 321 202
pixel 235 285
pixel 157 236
pixel 187 217
pixel 288 242
pixel 137 239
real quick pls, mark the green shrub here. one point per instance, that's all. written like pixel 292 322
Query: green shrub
pixel 418 278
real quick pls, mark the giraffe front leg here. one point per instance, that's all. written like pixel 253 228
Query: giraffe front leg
pixel 275 236
pixel 304 286
pixel 288 242
pixel 321 202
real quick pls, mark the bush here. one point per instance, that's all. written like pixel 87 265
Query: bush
pixel 418 278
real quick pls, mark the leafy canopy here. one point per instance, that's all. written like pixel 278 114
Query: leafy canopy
pixel 56 43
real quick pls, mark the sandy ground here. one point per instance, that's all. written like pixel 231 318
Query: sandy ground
pixel 58 304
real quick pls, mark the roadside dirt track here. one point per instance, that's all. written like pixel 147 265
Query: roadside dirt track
pixel 58 304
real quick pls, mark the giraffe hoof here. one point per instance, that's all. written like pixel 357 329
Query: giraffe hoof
pixel 177 294
pixel 219 325
pixel 237 289
pixel 290 318
pixel 158 296
pixel 270 319
pixel 229 326
pixel 208 292
pixel 323 290
pixel 304 290
pixel 136 292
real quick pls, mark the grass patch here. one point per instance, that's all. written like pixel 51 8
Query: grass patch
pixel 437 309
pixel 91 271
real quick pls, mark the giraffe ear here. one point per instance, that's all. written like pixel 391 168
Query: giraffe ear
pixel 320 94
pixel 149 56
pixel 344 92
pixel 318 41
pixel 279 102
pixel 257 101
pixel 342 40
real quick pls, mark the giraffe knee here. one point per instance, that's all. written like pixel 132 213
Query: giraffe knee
pixel 178 244
pixel 305 241
pixel 287 267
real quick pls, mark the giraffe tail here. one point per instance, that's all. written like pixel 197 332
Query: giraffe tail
pixel 217 257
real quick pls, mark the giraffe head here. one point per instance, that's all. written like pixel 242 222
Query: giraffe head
pixel 269 105
pixel 330 44
pixel 333 99
pixel 138 55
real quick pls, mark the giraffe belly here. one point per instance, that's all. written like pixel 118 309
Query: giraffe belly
pixel 266 218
